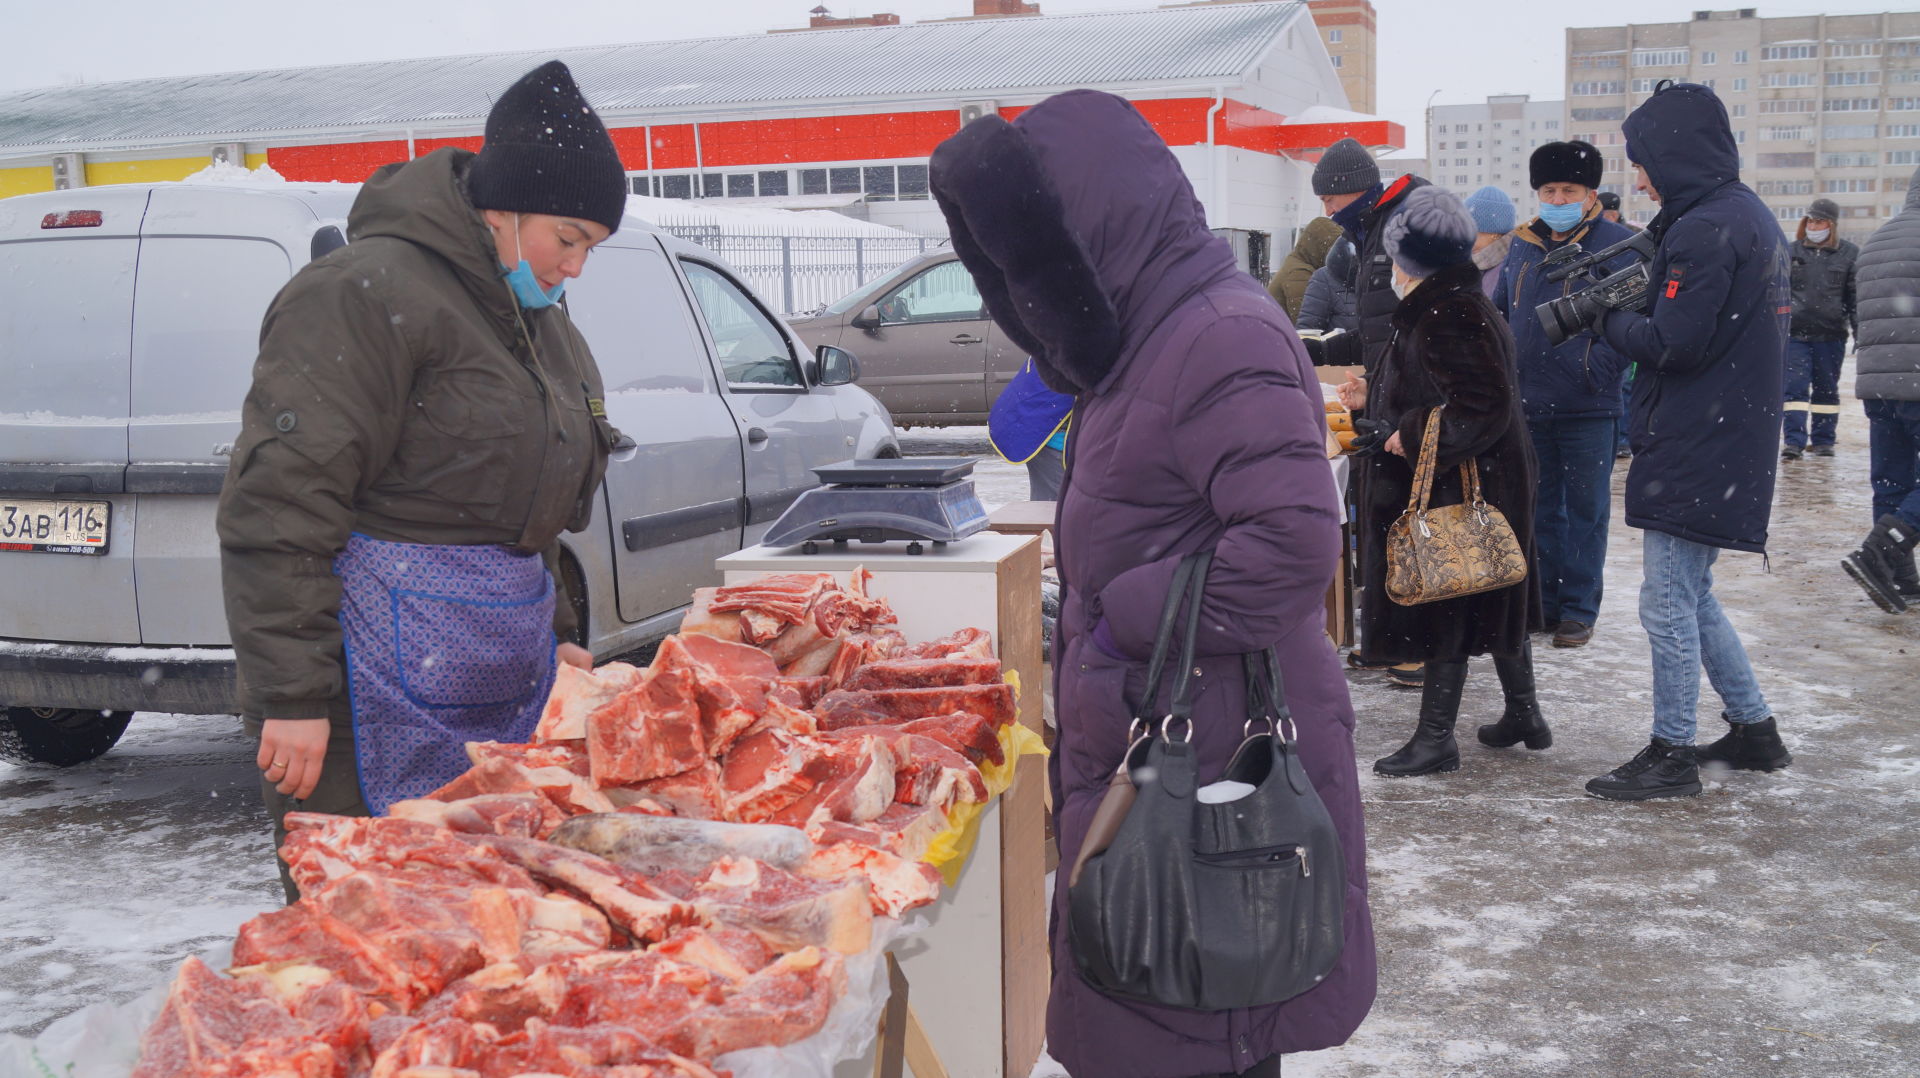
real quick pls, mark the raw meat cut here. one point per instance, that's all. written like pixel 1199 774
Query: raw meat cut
pixel 894 884
pixel 696 793
pixel 567 755
pixel 732 953
pixel 922 673
pixel 321 849
pixel 701 620
pixel 852 780
pixel 806 690
pixel 766 772
pixel 967 732
pixel 788 595
pixel 927 771
pixel 638 990
pixel 650 846
pixel 569 791
pixel 786 910
pixel 780 1004
pixel 451 1048
pixel 301 934
pixel 903 830
pixel 730 681
pixel 576 694
pixel 504 996
pixel 649 731
pixel 627 899
pixel 528 815
pixel 231 1028
pixel 964 644
pixel 871 707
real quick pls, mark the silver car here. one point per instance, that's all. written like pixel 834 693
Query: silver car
pixel 126 346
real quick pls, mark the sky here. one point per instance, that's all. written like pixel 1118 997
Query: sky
pixel 1452 51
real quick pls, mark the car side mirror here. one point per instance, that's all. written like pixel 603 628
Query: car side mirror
pixel 836 366
pixel 868 319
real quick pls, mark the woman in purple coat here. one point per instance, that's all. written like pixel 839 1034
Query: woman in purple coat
pixel 1198 426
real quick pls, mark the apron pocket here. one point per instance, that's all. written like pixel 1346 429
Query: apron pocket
pixel 456 652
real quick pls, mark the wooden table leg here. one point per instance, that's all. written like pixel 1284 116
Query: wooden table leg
pixel 894 1025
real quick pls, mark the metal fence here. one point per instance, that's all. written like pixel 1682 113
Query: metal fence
pixel 801 274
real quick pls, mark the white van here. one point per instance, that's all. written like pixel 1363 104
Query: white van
pixel 129 322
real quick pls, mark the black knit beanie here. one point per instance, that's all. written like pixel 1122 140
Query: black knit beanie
pixel 546 151
pixel 1564 162
pixel 1346 168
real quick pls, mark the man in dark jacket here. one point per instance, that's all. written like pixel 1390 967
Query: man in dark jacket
pixel 1888 385
pixel 1348 183
pixel 1571 390
pixel 1823 312
pixel 1706 417
pixel 1329 301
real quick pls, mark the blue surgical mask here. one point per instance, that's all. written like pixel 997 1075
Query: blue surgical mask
pixel 526 288
pixel 1563 218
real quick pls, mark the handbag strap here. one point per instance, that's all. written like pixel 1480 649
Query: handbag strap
pixel 1429 456
pixel 1189 581
pixel 1266 693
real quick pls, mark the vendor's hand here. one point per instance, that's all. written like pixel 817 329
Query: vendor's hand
pixel 292 752
pixel 1353 393
pixel 1393 445
pixel 573 655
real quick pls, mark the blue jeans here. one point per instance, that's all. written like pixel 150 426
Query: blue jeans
pixel 1813 386
pixel 1572 502
pixel 1687 629
pixel 1893 446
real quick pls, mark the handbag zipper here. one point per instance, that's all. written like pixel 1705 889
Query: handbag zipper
pixel 1269 854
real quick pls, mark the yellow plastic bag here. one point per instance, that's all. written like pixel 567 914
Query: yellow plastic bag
pixel 949 849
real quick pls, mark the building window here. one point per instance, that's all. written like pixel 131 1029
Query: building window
pixel 1905 48
pixel 1860 159
pixel 1335 59
pixel 740 185
pixel 1644 86
pixel 1853 49
pixel 1739 112
pixel 1740 56
pixel 879 183
pixel 1601 115
pixel 673 186
pixel 1903 104
pixel 1787 104
pixel 1903 157
pixel 1598 89
pixel 1739 86
pixel 1903 130
pixel 1596 60
pixel 1834 131
pixel 1461 181
pixel 1788 213
pixel 1789 52
pixel 773 183
pixel 1784 187
pixel 1850 187
pixel 1460 129
pixel 1707 57
pixel 1553 125
pixel 1853 78
pixel 1786 160
pixel 1790 78
pixel 1333 37
pixel 1903 76
pixel 1851 104
pixel 1660 58
pixel 1856 211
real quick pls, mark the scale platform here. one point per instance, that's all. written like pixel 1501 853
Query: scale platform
pixel 915 500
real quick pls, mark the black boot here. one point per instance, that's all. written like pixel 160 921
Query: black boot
pixel 1662 769
pixel 1906 579
pixel 1522 720
pixel 1432 747
pixel 1884 556
pixel 1749 746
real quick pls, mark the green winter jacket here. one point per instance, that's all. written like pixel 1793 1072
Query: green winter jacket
pixel 1288 285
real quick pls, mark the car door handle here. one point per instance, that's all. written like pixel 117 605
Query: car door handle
pixel 756 435
pixel 968 338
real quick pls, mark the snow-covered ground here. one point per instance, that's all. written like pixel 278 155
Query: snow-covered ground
pixel 1768 927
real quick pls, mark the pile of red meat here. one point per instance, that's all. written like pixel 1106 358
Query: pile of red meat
pixel 495 928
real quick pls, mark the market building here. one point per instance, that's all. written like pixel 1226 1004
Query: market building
pixel 1823 106
pixel 1245 94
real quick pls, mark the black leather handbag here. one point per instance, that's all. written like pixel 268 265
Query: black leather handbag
pixel 1207 906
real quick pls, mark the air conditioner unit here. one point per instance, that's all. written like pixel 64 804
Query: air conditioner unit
pixel 230 153
pixel 973 110
pixel 69 171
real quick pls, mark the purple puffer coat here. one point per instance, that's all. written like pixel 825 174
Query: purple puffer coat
pixel 1198 425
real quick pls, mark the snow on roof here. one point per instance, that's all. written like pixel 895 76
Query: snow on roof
pixel 1126 50
pixel 754 220
pixel 1328 114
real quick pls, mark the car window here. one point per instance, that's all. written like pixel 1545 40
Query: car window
pixel 944 293
pixel 630 309
pixel 753 351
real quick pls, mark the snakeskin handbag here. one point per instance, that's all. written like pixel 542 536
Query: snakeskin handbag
pixel 1453 550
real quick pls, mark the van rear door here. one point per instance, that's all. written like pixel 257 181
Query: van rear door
pixel 67 265
pixel 211 260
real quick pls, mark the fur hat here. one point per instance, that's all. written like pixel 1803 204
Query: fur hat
pixel 1492 210
pixel 546 151
pixel 1429 232
pixel 1609 201
pixel 1564 162
pixel 1825 209
pixel 1345 169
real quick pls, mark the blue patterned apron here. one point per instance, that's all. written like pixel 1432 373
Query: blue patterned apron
pixel 444 645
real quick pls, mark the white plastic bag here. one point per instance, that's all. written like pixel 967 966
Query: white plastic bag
pixel 101 1040
pixel 851 1025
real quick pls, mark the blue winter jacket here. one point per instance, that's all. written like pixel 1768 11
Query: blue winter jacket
pixel 1581 378
pixel 1712 345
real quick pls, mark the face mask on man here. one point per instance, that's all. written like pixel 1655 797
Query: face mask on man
pixel 1563 218
pixel 1818 235
pixel 526 287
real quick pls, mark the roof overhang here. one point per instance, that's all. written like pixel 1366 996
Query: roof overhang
pixel 1299 140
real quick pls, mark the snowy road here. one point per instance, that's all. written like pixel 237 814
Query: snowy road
pixel 1768 927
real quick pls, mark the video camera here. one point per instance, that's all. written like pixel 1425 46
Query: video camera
pixel 1623 290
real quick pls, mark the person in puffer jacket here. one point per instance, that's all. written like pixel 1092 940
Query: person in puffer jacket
pixel 1823 313
pixel 1330 297
pixel 1571 390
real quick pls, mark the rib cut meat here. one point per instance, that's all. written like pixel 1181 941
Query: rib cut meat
pixel 649 731
pixel 576 694
pixel 903 830
pixel 894 884
pixel 702 621
pixel 923 673
pixel 627 899
pixel 731 953
pixel 766 772
pixel 730 682
pixel 786 910
pixel 963 644
pixel 782 1003
pixel 696 793
pixel 852 780
pixel 321 849
pixel 872 707
pixel 528 815
pixel 231 1028
pixel 805 691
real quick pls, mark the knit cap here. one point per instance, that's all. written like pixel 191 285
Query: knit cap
pixel 1492 210
pixel 1431 231
pixel 1345 169
pixel 1824 208
pixel 546 151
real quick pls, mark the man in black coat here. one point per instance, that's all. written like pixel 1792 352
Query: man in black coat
pixel 1823 313
pixel 1348 183
pixel 1706 419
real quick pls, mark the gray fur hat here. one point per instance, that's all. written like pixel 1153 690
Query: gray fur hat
pixel 1430 232
pixel 1825 209
pixel 1346 168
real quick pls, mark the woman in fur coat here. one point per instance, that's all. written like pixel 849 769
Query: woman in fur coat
pixel 1450 347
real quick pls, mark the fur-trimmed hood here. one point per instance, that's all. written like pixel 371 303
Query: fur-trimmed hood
pixel 1080 229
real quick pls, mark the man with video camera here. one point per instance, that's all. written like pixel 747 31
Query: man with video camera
pixel 1710 343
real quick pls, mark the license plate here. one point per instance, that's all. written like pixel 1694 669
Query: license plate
pixel 54 526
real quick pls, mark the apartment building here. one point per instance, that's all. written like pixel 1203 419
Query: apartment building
pixel 1348 29
pixel 1821 105
pixel 1489 142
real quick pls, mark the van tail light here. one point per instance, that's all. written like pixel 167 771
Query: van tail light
pixel 73 219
